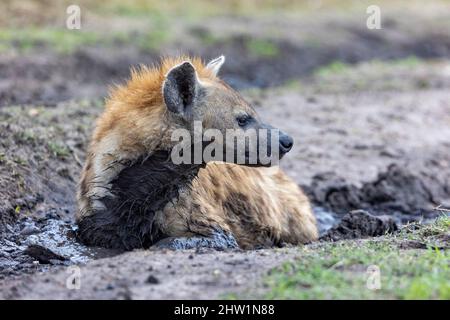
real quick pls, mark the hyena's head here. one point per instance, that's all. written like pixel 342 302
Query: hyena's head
pixel 229 124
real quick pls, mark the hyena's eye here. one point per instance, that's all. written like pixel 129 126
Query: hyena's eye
pixel 243 120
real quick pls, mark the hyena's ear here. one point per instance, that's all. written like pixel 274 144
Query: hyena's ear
pixel 215 64
pixel 180 88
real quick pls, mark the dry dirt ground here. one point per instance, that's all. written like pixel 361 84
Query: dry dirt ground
pixel 369 135
pixel 155 275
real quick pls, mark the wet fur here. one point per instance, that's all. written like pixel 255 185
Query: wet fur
pixel 131 196
pixel 138 193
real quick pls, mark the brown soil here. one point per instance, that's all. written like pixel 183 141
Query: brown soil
pixel 154 275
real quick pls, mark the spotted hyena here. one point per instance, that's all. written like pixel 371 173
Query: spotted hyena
pixel 132 195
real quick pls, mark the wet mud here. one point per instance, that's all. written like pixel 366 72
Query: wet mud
pixel 406 193
pixel 360 224
pixel 37 245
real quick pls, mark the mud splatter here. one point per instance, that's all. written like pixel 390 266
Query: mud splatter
pixel 360 224
pixel 397 190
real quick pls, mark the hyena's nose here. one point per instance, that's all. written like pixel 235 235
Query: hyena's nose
pixel 286 143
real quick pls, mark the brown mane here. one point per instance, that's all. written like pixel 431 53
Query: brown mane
pixel 139 101
pixel 143 89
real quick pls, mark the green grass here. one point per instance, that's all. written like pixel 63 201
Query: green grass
pixel 66 41
pixel 340 270
pixel 262 48
pixel 411 61
pixel 335 67
pixel 199 8
pixel 339 67
pixel 408 73
pixel 153 39
pixel 58 150
pixel 207 38
pixel 60 39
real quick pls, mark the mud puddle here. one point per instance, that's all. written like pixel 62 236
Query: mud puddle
pixel 33 245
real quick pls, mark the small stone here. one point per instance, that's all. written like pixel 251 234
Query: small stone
pixel 311 99
pixel 110 286
pixel 43 255
pixel 33 112
pixel 29 230
pixel 152 280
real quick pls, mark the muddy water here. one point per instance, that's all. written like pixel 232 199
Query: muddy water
pixel 36 245
pixel 326 219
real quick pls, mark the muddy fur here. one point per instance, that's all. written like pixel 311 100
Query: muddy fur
pixel 138 193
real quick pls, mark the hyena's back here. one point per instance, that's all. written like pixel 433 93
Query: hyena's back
pixel 259 206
